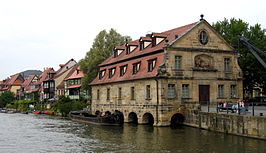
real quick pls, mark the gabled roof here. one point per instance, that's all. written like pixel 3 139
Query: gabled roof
pixel 16 79
pixel 137 55
pixel 171 35
pixel 76 74
pixel 44 75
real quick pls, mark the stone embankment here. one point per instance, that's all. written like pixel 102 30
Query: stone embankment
pixel 243 125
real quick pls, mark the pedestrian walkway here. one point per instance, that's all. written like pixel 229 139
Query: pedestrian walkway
pixel 258 110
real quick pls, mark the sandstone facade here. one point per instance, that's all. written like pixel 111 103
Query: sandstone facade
pixel 192 67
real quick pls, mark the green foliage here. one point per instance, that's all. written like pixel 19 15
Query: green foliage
pixel 6 98
pixel 102 48
pixel 20 105
pixel 253 72
pixel 64 105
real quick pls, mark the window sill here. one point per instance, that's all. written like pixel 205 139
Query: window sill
pixel 171 98
pixel 148 99
pixel 221 98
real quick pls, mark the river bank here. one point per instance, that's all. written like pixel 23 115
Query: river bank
pixel 21 133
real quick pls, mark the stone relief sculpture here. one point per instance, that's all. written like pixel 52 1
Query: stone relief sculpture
pixel 203 61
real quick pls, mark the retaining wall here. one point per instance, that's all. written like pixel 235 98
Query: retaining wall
pixel 250 126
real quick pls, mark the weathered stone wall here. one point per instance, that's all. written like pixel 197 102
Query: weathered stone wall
pixel 204 65
pixel 250 126
pixel 159 107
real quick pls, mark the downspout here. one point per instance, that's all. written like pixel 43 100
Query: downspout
pixel 157 102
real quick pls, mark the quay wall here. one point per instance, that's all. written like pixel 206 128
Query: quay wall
pixel 249 126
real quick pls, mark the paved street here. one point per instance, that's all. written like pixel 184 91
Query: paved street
pixel 257 110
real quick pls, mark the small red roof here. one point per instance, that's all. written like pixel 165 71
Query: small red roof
pixel 120 47
pixel 74 86
pixel 76 74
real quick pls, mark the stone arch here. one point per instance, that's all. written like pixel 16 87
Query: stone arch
pixel 148 119
pixel 107 113
pixel 177 119
pixel 97 112
pixel 119 116
pixel 132 118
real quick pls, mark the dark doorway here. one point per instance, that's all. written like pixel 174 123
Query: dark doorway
pixel 204 94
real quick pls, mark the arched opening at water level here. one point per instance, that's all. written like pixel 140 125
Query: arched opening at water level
pixel 177 120
pixel 133 118
pixel 119 116
pixel 148 119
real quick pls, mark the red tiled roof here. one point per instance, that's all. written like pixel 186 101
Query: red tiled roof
pixel 120 47
pixel 138 55
pixel 16 79
pixel 160 34
pixel 27 82
pixel 136 42
pixel 171 35
pixel 145 38
pixel 76 74
pixel 74 86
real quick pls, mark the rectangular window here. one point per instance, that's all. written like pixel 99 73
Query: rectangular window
pixel 98 94
pixel 136 67
pixel 185 91
pixel 111 72
pixel 119 93
pixel 151 65
pixel 220 91
pixel 148 92
pixel 171 91
pixel 227 64
pixel 233 91
pixel 108 94
pixel 101 74
pixel 178 60
pixel 123 70
pixel 132 93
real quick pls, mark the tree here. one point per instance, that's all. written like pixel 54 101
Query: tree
pixel 254 73
pixel 101 49
pixel 6 98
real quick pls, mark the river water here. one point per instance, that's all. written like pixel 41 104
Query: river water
pixel 21 133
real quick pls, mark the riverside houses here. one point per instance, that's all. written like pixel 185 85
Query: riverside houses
pixel 154 79
pixel 12 84
pixel 54 79
pixel 72 84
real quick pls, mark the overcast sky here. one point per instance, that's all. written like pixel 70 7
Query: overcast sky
pixel 45 33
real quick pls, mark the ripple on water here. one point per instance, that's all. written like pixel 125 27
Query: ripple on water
pixel 41 134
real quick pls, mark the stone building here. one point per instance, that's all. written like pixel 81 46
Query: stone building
pixel 153 80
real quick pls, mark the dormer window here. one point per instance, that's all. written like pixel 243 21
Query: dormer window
pixel 118 50
pixel 130 46
pixel 111 72
pixel 123 70
pixel 157 38
pixel 115 53
pixel 144 42
pixel 151 65
pixel 136 67
pixel 101 74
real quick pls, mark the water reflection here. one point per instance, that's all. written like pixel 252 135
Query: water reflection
pixel 30 133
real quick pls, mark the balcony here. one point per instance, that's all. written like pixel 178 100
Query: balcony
pixel 74 97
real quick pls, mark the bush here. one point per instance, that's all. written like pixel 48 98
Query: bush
pixel 21 105
pixel 64 105
pixel 6 98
